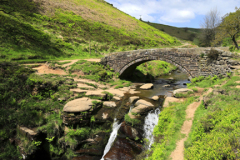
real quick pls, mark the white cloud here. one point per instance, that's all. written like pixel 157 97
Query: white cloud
pixel 173 11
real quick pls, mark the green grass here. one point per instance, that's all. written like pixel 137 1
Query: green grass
pixel 181 33
pixel 215 130
pixel 93 70
pixel 31 30
pixel 156 68
pixel 205 82
pixel 167 131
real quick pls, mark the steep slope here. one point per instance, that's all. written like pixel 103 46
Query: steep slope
pixel 183 33
pixel 38 29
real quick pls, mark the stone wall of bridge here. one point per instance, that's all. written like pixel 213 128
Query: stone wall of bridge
pixel 193 61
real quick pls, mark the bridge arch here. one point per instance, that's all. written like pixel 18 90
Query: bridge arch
pixel 192 61
pixel 131 66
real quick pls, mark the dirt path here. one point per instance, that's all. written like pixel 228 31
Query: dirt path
pixel 178 153
pixel 75 60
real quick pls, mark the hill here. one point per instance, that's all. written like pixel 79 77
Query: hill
pixel 41 29
pixel 181 33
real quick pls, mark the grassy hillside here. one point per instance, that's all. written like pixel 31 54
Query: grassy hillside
pixel 38 29
pixel 181 33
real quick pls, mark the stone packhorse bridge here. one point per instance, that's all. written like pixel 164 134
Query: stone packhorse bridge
pixel 193 61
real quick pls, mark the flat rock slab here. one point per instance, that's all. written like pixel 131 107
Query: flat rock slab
pixel 155 98
pixel 143 102
pixel 98 93
pixel 116 98
pixel 182 90
pixel 116 92
pixel 141 109
pixel 125 89
pixel 170 100
pixel 77 90
pixel 81 85
pixel 132 99
pixel 168 85
pixel 237 81
pixel 147 86
pixel 110 104
pixel 132 91
pixel 237 86
pixel 79 105
pixel 89 81
pixel 235 67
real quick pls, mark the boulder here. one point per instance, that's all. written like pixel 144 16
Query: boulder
pixel 129 131
pixel 132 99
pixel 182 90
pixel 79 105
pixel 170 100
pixel 147 86
pixel 124 149
pixel 110 104
pixel 143 102
pixel 155 98
pixel 28 132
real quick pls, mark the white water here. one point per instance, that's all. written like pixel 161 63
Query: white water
pixel 112 138
pixel 150 121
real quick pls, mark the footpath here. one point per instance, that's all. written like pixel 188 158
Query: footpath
pixel 178 153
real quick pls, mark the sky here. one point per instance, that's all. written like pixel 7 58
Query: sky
pixel 179 13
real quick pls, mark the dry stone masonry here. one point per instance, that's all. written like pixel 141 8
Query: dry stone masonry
pixel 194 61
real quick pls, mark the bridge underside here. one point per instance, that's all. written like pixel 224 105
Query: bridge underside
pixel 128 70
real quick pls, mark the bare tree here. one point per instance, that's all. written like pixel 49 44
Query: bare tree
pixel 209 26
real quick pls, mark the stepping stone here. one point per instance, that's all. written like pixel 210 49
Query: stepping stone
pixel 155 98
pixel 147 86
pixel 110 104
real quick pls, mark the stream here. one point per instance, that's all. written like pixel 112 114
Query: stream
pixel 122 144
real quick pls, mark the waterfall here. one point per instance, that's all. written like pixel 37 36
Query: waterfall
pixel 150 121
pixel 112 138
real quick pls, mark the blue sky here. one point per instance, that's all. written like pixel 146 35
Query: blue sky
pixel 179 13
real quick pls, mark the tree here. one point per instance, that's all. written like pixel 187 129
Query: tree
pixel 230 26
pixel 209 25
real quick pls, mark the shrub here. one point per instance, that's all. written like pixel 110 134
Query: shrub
pixel 131 121
pixel 213 54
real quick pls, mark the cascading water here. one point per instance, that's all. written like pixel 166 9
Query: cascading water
pixel 150 122
pixel 113 136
